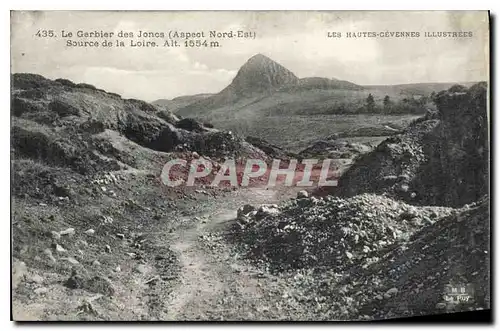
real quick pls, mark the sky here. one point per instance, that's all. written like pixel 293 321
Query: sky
pixel 297 40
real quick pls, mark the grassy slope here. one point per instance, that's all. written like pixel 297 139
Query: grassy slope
pixel 297 132
pixel 288 119
pixel 180 102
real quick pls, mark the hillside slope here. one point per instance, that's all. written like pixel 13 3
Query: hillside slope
pixel 264 81
pixel 92 222
pixel 440 159
pixel 180 102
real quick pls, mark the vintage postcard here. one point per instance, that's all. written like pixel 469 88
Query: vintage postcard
pixel 250 165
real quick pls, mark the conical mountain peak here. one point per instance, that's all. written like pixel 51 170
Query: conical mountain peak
pixel 261 74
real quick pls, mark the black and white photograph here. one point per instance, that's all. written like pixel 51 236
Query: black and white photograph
pixel 272 166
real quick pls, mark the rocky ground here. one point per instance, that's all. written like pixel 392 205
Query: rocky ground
pixel 97 236
pixel 440 159
pixel 350 267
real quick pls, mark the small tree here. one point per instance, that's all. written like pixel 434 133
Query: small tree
pixel 370 102
pixel 432 96
pixel 387 101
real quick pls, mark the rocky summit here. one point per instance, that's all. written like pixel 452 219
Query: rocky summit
pixel 261 74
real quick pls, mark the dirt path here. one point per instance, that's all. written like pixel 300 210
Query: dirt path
pixel 214 284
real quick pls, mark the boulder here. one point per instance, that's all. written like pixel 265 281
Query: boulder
pixel 68 231
pixel 266 211
pixel 59 248
pixel 245 210
pixel 302 194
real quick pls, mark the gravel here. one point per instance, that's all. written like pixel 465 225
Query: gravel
pixel 330 231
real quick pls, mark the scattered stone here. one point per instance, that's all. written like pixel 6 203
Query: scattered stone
pixel 267 210
pixel 391 292
pixel 140 268
pixel 404 178
pixel 120 236
pixel 19 271
pixel 101 285
pixel 113 177
pixel 107 249
pixel 390 179
pixel 96 263
pixel 41 290
pixel 87 308
pixel 83 243
pixel 440 305
pixel 404 188
pixel 36 279
pixel 169 277
pixel 107 220
pixel 90 232
pixel 59 248
pixel 302 195
pixel 152 280
pixel 245 210
pixel 70 259
pixel 97 284
pixel 55 235
pixel 48 252
pixel 68 231
pixel 75 281
pixel 118 269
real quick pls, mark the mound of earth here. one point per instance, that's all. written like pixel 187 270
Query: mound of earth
pixel 329 231
pixel 66 124
pixel 419 278
pixel 452 253
pixel 371 257
pixel 440 159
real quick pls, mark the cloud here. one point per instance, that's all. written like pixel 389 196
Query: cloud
pixel 200 66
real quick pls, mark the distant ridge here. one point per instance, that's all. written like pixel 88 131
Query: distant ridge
pixel 181 101
pixel 260 77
